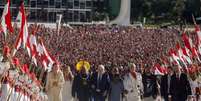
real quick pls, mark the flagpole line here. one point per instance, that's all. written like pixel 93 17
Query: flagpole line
pixel 194 21
pixel 41 78
pixel 41 74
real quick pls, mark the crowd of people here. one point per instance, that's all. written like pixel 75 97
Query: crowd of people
pixel 124 84
pixel 100 44
pixel 122 64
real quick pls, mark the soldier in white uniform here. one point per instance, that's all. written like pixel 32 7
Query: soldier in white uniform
pixel 4 67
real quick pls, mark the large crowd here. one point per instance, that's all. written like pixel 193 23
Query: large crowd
pixel 102 44
pixel 123 62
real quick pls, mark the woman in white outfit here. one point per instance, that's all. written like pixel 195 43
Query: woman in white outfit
pixel 68 76
pixel 54 85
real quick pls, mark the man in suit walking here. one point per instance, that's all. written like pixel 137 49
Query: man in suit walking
pixel 165 84
pixel 100 84
pixel 179 87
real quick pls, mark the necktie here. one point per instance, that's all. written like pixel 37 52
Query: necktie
pixel 177 77
pixel 169 78
pixel 98 80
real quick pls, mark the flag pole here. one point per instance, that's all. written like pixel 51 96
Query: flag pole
pixel 194 21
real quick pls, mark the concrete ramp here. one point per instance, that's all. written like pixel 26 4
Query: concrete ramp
pixel 124 15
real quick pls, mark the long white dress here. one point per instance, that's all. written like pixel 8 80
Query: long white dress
pixel 54 92
pixel 66 93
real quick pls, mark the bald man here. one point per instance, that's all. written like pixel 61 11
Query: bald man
pixel 100 84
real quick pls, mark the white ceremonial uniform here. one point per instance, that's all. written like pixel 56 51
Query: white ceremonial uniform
pixel 5 92
pixel 14 96
pixel 194 84
pixel 54 92
pixel 4 66
pixel 132 86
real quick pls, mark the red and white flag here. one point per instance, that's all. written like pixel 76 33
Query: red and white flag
pixel 180 53
pixel 44 54
pixel 32 47
pixel 158 69
pixel 6 19
pixel 187 41
pixel 198 32
pixel 23 35
pixel 186 55
pixel 174 58
pixel 195 54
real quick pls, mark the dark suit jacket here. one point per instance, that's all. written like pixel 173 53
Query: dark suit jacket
pixel 180 88
pixel 103 83
pixel 150 86
pixel 164 87
pixel 81 87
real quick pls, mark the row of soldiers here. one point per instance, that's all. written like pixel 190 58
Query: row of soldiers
pixel 17 82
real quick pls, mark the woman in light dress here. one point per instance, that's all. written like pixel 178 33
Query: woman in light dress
pixel 55 83
pixel 68 76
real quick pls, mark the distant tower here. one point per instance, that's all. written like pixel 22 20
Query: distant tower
pixel 123 17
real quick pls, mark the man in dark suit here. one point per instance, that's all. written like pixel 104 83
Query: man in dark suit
pixel 100 84
pixel 165 84
pixel 179 87
pixel 81 85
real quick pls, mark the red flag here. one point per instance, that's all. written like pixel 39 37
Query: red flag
pixel 198 32
pixel 6 19
pixel 180 53
pixel 15 61
pixel 31 47
pixel 6 50
pixel 158 69
pixel 195 53
pixel 187 41
pixel 45 56
pixel 23 35
pixel 32 76
pixel 25 69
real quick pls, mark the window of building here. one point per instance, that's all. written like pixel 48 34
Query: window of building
pixel 64 3
pixel 76 4
pixel 45 3
pixel 82 17
pixel 32 16
pixel 70 16
pixel 70 4
pixel 13 2
pixel 76 16
pixel 51 2
pixel 88 16
pixel 52 16
pixel 58 4
pixel 88 4
pixel 33 3
pixel 39 3
pixel 82 5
